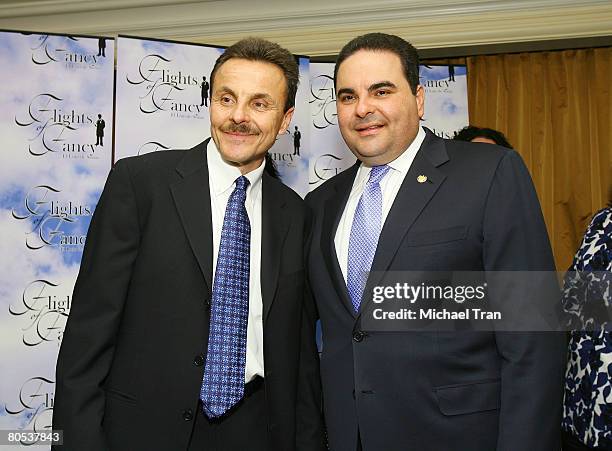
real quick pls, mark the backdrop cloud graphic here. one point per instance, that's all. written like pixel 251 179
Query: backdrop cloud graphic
pixel 51 175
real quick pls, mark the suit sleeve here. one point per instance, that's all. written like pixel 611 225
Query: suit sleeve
pixel 533 363
pixel 309 419
pixel 97 304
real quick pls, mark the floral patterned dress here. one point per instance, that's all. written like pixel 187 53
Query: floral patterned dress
pixel 587 405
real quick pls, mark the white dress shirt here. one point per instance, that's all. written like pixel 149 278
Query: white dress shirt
pixel 389 187
pixel 221 180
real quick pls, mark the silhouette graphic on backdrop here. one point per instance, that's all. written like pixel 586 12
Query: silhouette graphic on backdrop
pixel 204 85
pixel 297 136
pixel 451 72
pixel 100 124
pixel 102 47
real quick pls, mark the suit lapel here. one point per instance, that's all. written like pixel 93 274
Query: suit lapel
pixel 332 212
pixel 191 195
pixel 274 225
pixel 410 201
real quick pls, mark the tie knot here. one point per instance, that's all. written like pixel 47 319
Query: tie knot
pixel 241 183
pixel 377 173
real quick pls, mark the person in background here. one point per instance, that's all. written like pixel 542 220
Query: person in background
pixel 482 135
pixel 587 404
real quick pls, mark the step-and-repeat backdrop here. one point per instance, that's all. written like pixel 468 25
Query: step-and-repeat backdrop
pixel 56 117
pixel 56 125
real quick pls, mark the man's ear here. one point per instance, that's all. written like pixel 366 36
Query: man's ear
pixel 420 101
pixel 286 120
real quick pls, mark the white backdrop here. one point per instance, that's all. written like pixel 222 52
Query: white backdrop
pixel 51 175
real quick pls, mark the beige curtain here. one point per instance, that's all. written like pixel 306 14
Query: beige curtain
pixel 555 109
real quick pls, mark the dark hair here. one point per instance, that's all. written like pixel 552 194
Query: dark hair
pixel 385 42
pixel 257 49
pixel 470 132
pixel 610 196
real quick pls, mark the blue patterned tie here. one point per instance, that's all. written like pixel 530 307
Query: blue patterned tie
pixel 365 231
pixel 223 384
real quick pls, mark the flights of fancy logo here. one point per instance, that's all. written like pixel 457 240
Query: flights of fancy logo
pixel 323 102
pixel 165 88
pixel 57 129
pixel 33 408
pixel 52 221
pixel 73 53
pixel 43 308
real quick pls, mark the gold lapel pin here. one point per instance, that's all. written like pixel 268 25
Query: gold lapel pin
pixel 422 178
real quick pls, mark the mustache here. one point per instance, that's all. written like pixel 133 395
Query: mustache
pixel 241 128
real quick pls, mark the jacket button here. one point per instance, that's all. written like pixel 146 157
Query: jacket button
pixel 358 336
pixel 207 302
pixel 187 415
pixel 198 360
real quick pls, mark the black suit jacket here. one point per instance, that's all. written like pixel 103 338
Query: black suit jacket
pixel 131 363
pixel 439 391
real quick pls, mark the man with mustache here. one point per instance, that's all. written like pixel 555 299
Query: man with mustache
pixel 418 203
pixel 189 328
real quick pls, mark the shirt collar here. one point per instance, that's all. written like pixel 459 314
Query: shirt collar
pixel 223 175
pixel 403 162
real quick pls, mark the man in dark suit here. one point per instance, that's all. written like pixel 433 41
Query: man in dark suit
pixel 100 124
pixel 297 137
pixel 102 47
pixel 189 326
pixel 204 86
pixel 415 202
